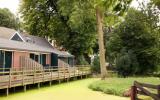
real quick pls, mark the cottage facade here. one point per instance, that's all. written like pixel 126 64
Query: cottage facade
pixel 16 47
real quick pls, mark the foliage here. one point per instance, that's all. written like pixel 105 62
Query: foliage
pixel 7 19
pixel 156 2
pixel 117 86
pixel 81 60
pixel 96 65
pixel 137 34
pixel 66 21
pixel 127 63
pixel 72 23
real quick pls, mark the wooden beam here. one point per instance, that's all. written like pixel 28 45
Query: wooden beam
pixel 7 91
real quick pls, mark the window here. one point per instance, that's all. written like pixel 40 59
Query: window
pixel 17 38
pixel 34 57
pixel 1 59
pixel 39 58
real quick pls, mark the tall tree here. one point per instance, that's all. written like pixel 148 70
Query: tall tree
pixel 102 7
pixel 71 22
pixel 134 43
pixel 7 19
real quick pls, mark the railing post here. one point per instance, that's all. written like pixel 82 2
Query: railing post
pixel 34 75
pixel 133 93
pixel 43 74
pixel 51 70
pixel 59 75
pixel 64 72
pixel 23 76
pixel 10 78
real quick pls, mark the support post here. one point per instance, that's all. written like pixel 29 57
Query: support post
pixel 24 88
pixel 67 80
pixel 7 91
pixel 86 76
pixel 133 93
pixel 50 83
pixel 59 81
pixel 38 85
pixel 14 89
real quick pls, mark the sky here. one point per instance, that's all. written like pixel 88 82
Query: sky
pixel 13 5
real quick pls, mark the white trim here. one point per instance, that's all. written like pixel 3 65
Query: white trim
pixel 25 51
pixel 18 35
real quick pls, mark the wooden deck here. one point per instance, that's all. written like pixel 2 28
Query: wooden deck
pixel 23 77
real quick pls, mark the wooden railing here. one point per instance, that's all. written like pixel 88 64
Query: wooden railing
pixel 12 78
pixel 143 89
pixel 29 64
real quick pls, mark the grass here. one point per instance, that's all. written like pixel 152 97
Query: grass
pixel 75 90
pixel 117 86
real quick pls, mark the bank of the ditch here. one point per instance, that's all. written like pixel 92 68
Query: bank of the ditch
pixel 75 90
pixel 117 86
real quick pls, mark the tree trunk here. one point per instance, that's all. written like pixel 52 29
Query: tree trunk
pixel 99 16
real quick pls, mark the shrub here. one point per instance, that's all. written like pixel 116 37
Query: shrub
pixel 96 65
pixel 127 63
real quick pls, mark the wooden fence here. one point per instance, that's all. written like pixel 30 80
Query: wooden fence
pixel 13 78
pixel 143 89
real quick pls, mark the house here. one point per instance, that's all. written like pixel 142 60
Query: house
pixel 19 50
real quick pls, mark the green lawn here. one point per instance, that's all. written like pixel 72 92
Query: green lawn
pixel 116 86
pixel 75 90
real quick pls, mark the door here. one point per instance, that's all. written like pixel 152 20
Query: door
pixel 1 60
pixel 8 59
pixel 54 60
pixel 44 59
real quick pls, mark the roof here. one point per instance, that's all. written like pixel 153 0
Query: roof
pixel 38 44
pixel 37 40
pixel 6 33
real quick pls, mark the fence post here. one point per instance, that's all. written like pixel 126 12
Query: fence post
pixel 133 93
pixel 10 78
pixel 158 90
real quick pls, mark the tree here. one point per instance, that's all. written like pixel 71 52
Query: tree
pixel 64 21
pixel 138 34
pixel 111 6
pixel 156 2
pixel 7 19
pixel 71 22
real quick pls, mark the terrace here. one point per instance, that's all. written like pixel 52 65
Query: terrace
pixel 22 77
